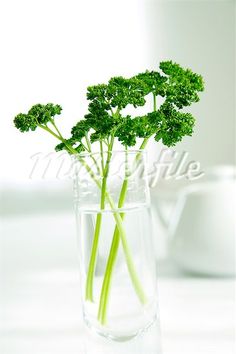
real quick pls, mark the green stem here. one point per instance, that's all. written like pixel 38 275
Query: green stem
pixel 90 150
pixel 54 124
pixel 74 152
pixel 88 143
pixel 134 277
pixel 102 312
pixel 102 156
pixel 92 263
pixel 50 131
pixel 106 286
pixel 94 251
pixel 154 102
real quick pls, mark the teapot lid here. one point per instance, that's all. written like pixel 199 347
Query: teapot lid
pixel 220 173
pixel 215 177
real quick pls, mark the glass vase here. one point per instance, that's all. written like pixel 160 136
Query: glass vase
pixel 116 257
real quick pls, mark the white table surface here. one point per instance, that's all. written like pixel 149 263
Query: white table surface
pixel 40 310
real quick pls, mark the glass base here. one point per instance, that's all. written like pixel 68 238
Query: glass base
pixel 118 336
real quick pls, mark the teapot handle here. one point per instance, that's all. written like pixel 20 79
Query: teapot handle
pixel 164 207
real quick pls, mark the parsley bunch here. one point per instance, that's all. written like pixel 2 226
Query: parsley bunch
pixel 106 119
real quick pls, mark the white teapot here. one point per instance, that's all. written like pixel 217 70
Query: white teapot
pixel 201 227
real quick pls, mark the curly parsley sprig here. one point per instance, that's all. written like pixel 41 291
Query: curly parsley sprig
pixel 177 87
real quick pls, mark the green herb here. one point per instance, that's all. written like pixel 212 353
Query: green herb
pixel 105 122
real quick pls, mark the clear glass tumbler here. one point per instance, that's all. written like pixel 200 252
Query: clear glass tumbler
pixel 117 262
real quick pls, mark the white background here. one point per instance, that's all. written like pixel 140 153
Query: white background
pixel 50 51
